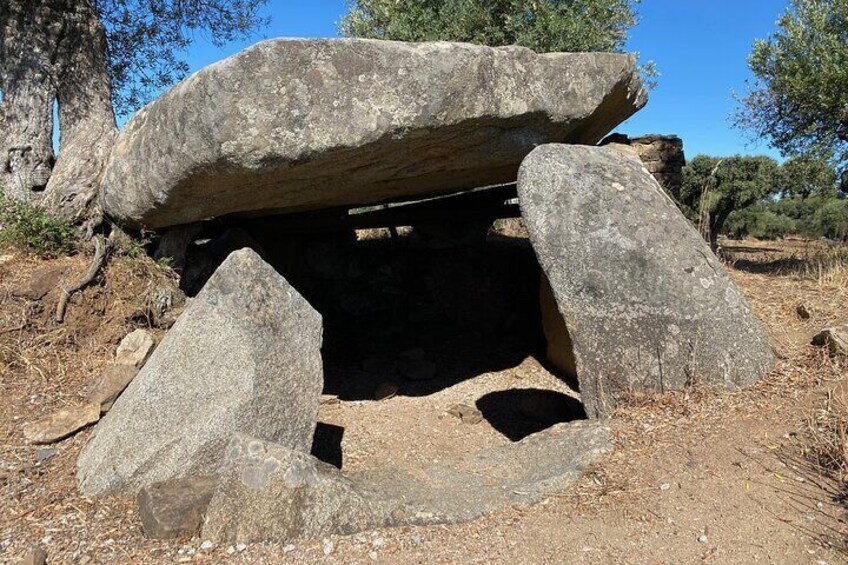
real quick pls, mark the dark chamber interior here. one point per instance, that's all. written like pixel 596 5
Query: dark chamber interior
pixel 422 308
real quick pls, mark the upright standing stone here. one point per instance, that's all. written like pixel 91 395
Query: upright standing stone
pixel 243 357
pixel 646 305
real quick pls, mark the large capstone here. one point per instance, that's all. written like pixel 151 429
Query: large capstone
pixel 645 305
pixel 293 125
pixel 244 357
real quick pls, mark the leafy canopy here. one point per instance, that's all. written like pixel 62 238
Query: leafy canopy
pixel 147 39
pixel 800 98
pixel 730 184
pixel 753 195
pixel 541 25
pixel 805 176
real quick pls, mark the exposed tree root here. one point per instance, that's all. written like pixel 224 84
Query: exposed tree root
pixel 101 250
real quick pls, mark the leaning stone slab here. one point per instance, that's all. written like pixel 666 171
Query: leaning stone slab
pixel 243 357
pixel 292 125
pixel 270 493
pixel 646 305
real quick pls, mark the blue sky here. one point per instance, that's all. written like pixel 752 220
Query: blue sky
pixel 699 47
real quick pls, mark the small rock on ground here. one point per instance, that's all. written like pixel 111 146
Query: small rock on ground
pixel 44 455
pixel 106 390
pixel 61 424
pixel 135 348
pixel 835 339
pixel 805 311
pixel 468 414
pixel 42 281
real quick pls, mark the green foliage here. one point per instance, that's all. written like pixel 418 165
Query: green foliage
pixel 831 220
pixel 806 176
pixel 720 186
pixel 753 196
pixel 128 246
pixel 800 99
pixel 27 227
pixel 541 25
pixel 147 40
pixel 814 217
pixel 760 223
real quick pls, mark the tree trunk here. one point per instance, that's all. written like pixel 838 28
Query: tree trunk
pixel 86 118
pixel 718 220
pixel 27 49
pixel 54 49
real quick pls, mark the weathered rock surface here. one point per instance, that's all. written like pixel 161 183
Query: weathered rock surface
pixel 36 556
pixel 173 509
pixel 291 125
pixel 42 281
pixel 835 339
pixel 61 424
pixel 662 155
pixel 272 493
pixel 109 386
pixel 134 348
pixel 468 414
pixel 243 357
pixel 645 303
pixel 268 492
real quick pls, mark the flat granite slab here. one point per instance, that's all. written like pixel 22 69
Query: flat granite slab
pixel 271 493
pixel 293 125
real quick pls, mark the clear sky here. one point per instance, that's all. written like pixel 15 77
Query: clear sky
pixel 699 47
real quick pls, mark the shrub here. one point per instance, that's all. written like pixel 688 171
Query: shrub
pixel 759 222
pixel 24 226
pixel 831 220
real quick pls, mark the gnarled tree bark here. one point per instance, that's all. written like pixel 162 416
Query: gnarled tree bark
pixel 54 50
pixel 86 117
pixel 27 50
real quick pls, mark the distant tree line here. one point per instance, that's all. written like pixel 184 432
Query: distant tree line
pixel 754 196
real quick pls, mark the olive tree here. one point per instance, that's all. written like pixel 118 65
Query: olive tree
pixel 799 100
pixel 804 176
pixel 89 57
pixel 714 187
pixel 541 25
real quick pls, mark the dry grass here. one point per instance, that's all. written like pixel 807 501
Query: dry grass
pixel 799 259
pixel 819 275
pixel 827 447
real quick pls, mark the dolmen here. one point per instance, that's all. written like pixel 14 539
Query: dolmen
pixel 215 431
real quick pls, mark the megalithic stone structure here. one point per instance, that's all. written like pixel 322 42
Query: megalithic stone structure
pixel 643 303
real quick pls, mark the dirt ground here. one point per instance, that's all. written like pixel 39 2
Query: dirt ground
pixel 701 476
